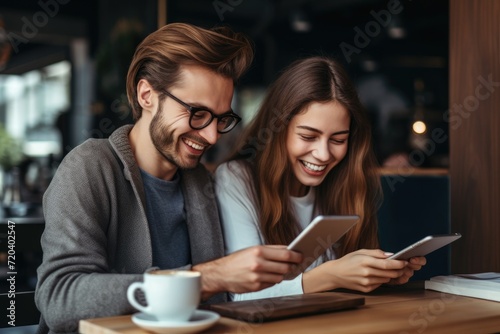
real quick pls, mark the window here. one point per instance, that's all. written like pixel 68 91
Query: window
pixel 30 104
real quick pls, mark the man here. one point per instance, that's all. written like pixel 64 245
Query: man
pixel 140 199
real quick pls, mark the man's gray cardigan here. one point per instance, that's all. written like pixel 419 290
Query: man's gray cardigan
pixel 96 240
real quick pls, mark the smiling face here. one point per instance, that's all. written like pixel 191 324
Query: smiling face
pixel 171 135
pixel 317 141
pixel 161 139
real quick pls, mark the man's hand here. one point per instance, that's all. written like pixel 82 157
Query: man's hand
pixel 251 269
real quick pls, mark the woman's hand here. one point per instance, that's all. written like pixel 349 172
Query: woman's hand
pixel 415 263
pixel 363 270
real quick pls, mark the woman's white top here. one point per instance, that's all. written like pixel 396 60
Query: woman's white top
pixel 240 222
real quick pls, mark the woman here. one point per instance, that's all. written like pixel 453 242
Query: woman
pixel 308 152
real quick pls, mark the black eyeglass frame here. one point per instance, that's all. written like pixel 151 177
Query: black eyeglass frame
pixel 193 110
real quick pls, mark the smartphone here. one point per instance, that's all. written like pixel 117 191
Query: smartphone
pixel 425 246
pixel 317 237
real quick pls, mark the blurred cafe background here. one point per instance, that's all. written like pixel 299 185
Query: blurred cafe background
pixel 63 65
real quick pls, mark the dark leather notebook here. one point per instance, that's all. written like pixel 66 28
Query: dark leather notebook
pixel 260 310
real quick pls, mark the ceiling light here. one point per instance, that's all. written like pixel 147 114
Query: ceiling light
pixel 396 29
pixel 300 22
pixel 419 127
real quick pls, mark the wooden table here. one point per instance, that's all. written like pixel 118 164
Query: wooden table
pixel 403 310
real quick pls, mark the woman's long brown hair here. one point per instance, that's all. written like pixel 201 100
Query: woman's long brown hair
pixel 351 187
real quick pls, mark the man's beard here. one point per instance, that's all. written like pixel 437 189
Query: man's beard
pixel 164 142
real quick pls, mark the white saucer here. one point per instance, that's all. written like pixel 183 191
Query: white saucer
pixel 200 320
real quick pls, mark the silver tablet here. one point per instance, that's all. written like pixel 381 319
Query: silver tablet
pixel 317 237
pixel 425 246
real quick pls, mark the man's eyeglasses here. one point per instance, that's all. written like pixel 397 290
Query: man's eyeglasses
pixel 200 118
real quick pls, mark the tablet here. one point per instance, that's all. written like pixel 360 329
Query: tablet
pixel 317 237
pixel 425 246
pixel 276 308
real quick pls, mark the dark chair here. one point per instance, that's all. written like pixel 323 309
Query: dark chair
pixel 23 311
pixel 417 206
pixel 28 256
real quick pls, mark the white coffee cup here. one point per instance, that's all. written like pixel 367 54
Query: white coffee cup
pixel 171 295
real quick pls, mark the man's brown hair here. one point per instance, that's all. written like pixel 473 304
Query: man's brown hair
pixel 160 55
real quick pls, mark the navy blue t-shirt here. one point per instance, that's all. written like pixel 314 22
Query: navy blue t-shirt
pixel 167 221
